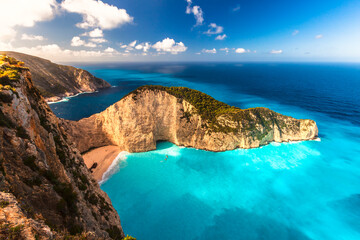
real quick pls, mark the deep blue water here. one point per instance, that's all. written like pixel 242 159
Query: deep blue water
pixel 306 190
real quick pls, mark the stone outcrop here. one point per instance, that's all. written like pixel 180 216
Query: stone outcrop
pixel 57 81
pixel 43 178
pixel 184 117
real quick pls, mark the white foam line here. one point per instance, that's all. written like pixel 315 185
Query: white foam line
pixel 66 99
pixel 114 167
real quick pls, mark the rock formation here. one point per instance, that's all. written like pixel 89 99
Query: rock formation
pixel 57 81
pixel 45 188
pixel 184 117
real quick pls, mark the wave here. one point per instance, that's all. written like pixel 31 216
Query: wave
pixel 114 167
pixel 66 99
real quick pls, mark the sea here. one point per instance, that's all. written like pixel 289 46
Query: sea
pixel 295 190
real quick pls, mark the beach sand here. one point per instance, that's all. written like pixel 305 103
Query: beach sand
pixel 103 156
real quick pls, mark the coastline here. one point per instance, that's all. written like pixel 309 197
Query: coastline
pixel 53 100
pixel 104 157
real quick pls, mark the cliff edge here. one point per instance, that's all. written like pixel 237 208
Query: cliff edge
pixel 56 81
pixel 185 117
pixel 46 191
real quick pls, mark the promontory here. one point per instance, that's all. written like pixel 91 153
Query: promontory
pixel 185 117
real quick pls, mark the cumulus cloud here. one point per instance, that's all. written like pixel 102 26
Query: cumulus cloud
pixel 295 32
pixel 213 51
pixel 77 42
pixel 225 49
pixel 240 50
pixel 109 50
pixel 214 29
pixel 221 37
pixel 276 51
pixel 169 45
pixel 98 40
pixel 132 44
pixel 197 11
pixel 24 13
pixel 96 33
pixel 319 36
pixel 54 52
pixel 98 14
pixel 32 37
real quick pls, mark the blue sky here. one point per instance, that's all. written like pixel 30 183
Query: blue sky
pixel 183 30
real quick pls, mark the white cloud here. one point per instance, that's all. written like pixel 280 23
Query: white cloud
pixel 97 32
pixel 32 37
pixel 139 47
pixel 197 11
pixel 225 49
pixel 146 47
pixel 276 51
pixel 319 36
pixel 169 45
pixel 90 44
pixel 221 37
pixel 24 13
pixel 54 52
pixel 123 46
pixel 132 44
pixel 96 13
pixel 240 50
pixel 76 42
pixel 98 40
pixel 209 50
pixel 109 50
pixel 214 29
pixel 295 32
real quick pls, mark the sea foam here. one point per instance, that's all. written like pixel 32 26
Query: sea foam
pixel 115 166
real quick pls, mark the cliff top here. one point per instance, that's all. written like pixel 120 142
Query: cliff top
pixel 55 80
pixel 211 109
pixel 9 72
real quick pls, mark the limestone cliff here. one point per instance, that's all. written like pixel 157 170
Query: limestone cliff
pixel 57 81
pixel 185 117
pixel 45 190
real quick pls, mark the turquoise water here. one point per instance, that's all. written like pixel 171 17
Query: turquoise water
pixel 299 190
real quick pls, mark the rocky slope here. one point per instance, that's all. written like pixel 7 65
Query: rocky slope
pixel 57 81
pixel 45 189
pixel 185 117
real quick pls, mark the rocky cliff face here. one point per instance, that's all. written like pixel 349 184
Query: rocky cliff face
pixel 57 81
pixel 45 190
pixel 187 118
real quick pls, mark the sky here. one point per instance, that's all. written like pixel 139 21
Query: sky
pixel 183 30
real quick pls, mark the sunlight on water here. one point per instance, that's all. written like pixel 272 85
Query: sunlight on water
pixel 297 190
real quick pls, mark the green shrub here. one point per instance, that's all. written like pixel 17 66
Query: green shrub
pixel 3 203
pixel 30 162
pixel 36 181
pixel 22 133
pixel 114 232
pixel 15 232
pixel 67 193
pixel 5 121
pixel 129 238
pixel 75 229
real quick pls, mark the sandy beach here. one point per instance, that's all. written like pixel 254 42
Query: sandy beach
pixel 103 156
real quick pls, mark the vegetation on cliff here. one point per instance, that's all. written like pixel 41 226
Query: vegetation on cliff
pixel 212 110
pixel 42 174
pixel 54 80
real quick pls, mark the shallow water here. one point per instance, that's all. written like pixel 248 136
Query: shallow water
pixel 300 190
